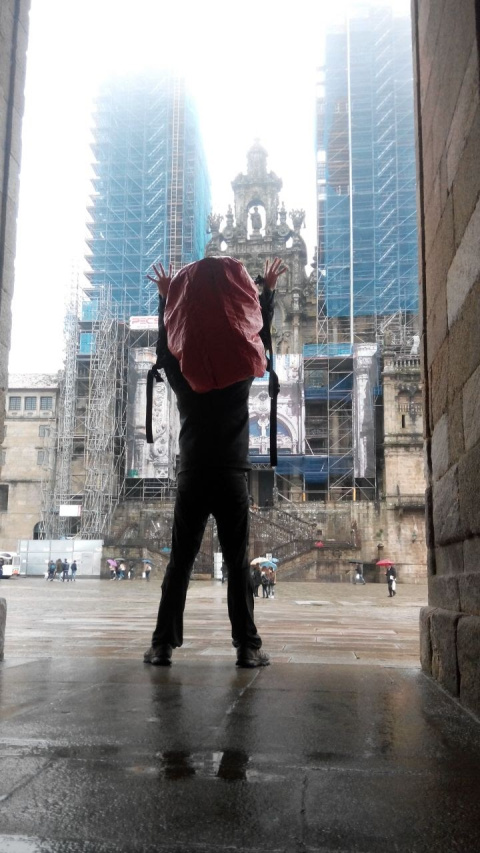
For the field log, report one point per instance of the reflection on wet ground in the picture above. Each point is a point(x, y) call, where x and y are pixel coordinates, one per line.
point(323, 752)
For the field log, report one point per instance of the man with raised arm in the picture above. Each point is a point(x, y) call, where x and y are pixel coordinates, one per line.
point(213, 443)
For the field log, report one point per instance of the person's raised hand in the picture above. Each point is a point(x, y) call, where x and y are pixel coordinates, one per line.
point(272, 272)
point(161, 278)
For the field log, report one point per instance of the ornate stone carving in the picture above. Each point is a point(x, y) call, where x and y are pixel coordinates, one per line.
point(298, 219)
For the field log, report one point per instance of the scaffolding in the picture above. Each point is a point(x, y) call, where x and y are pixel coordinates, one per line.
point(106, 417)
point(151, 193)
point(367, 292)
point(59, 441)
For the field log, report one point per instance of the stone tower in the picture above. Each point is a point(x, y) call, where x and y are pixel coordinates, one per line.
point(259, 231)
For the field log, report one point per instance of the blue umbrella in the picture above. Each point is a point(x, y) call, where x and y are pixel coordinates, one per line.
point(269, 563)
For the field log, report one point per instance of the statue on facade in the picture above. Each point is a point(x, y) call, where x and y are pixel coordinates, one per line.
point(214, 222)
point(283, 343)
point(298, 219)
point(228, 231)
point(256, 221)
point(283, 230)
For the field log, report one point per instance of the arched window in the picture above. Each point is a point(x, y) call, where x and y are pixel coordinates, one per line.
point(39, 530)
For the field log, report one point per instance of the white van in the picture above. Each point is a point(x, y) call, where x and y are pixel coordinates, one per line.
point(11, 564)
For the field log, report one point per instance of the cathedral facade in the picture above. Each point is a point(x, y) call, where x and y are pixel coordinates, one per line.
point(260, 229)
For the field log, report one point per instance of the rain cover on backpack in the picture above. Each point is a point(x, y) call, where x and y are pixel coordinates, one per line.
point(213, 319)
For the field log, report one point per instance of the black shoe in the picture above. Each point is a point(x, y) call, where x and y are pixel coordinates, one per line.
point(249, 658)
point(159, 655)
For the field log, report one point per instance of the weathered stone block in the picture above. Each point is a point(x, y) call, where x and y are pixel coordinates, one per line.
point(471, 554)
point(425, 640)
point(433, 214)
point(442, 249)
point(468, 655)
point(466, 185)
point(429, 23)
point(468, 474)
point(436, 326)
point(443, 636)
point(471, 407)
point(440, 463)
point(429, 527)
point(439, 383)
point(464, 354)
point(443, 592)
point(3, 620)
point(449, 559)
point(456, 444)
point(465, 268)
point(465, 109)
point(431, 563)
point(469, 590)
point(446, 508)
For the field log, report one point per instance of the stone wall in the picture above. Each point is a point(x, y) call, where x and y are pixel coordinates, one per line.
point(446, 47)
point(362, 530)
point(13, 48)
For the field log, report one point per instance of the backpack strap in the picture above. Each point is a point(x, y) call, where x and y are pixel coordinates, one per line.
point(153, 374)
point(273, 383)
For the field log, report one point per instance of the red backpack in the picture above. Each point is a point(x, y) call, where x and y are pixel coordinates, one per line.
point(213, 319)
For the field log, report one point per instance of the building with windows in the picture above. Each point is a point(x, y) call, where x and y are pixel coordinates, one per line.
point(30, 423)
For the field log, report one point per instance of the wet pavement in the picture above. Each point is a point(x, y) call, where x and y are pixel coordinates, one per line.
point(341, 745)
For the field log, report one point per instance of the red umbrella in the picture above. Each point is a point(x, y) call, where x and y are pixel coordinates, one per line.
point(385, 563)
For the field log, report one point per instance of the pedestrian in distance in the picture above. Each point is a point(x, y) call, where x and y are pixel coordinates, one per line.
point(59, 568)
point(65, 568)
point(358, 577)
point(271, 583)
point(214, 426)
point(148, 569)
point(73, 569)
point(51, 570)
point(257, 579)
point(391, 574)
point(264, 582)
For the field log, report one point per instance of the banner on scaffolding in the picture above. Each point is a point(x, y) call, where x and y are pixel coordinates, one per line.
point(290, 409)
point(144, 323)
point(144, 460)
point(364, 381)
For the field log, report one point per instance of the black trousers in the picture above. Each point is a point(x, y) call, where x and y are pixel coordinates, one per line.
point(224, 495)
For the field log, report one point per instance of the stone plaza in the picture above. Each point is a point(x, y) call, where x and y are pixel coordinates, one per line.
point(342, 744)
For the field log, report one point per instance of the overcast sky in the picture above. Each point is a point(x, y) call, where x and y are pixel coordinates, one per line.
point(252, 68)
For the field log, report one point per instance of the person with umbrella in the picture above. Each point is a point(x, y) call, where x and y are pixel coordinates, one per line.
point(391, 575)
point(257, 579)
